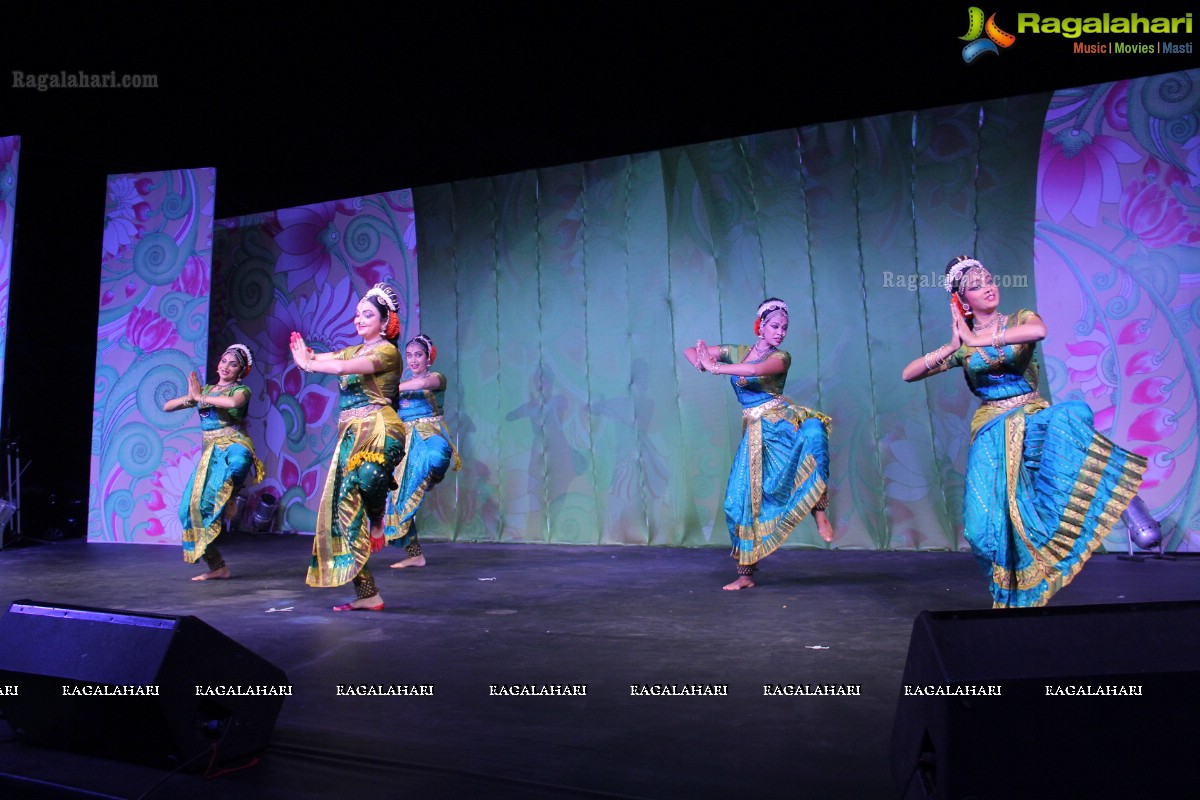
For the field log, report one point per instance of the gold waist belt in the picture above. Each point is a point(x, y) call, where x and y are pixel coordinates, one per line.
point(1013, 402)
point(227, 433)
point(757, 412)
point(358, 412)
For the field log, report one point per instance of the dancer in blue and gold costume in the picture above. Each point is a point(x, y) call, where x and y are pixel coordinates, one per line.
point(781, 469)
point(370, 443)
point(225, 462)
point(1043, 488)
point(428, 450)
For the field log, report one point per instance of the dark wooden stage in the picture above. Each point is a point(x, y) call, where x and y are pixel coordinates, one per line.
point(610, 618)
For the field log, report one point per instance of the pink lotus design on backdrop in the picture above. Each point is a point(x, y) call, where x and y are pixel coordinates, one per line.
point(316, 401)
point(172, 480)
point(148, 331)
point(1077, 172)
point(307, 238)
point(325, 319)
point(119, 232)
point(1152, 214)
point(193, 278)
point(292, 475)
point(120, 219)
point(1161, 465)
point(1116, 249)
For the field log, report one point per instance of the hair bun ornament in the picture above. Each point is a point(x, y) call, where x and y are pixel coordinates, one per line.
point(426, 345)
point(393, 326)
point(758, 326)
point(771, 304)
point(386, 294)
point(245, 356)
point(957, 269)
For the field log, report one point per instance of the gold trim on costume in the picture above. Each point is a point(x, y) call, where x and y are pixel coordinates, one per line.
point(755, 447)
point(768, 538)
point(431, 426)
point(1069, 526)
point(358, 412)
point(1012, 402)
point(756, 412)
point(227, 434)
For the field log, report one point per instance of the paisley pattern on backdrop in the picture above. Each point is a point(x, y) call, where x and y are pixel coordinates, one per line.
point(305, 269)
point(560, 299)
point(10, 157)
point(1118, 271)
point(153, 330)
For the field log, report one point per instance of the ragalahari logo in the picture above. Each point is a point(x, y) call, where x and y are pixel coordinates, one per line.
point(976, 28)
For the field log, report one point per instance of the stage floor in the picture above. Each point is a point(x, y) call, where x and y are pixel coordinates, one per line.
point(502, 614)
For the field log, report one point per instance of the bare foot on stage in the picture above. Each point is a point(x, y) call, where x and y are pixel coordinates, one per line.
point(411, 561)
point(373, 603)
point(215, 575)
point(743, 582)
point(823, 527)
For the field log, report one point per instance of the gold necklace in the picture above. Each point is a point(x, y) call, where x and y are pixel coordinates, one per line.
point(752, 357)
point(368, 347)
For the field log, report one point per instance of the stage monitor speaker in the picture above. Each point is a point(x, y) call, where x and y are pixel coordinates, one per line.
point(1073, 701)
point(167, 691)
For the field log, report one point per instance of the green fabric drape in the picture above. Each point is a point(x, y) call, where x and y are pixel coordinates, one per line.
point(560, 300)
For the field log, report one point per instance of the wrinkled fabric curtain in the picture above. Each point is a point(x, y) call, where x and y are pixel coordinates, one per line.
point(560, 300)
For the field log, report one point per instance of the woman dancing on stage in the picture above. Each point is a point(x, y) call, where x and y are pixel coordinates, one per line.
point(781, 469)
point(1043, 488)
point(370, 443)
point(427, 448)
point(224, 463)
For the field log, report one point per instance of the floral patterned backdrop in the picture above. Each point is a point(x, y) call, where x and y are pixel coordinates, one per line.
point(153, 330)
point(1117, 255)
point(560, 299)
point(10, 156)
point(305, 269)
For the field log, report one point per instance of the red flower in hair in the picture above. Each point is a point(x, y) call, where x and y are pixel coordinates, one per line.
point(956, 301)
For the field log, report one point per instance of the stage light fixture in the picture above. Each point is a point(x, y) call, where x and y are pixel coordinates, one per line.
point(1143, 529)
point(263, 518)
point(7, 510)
